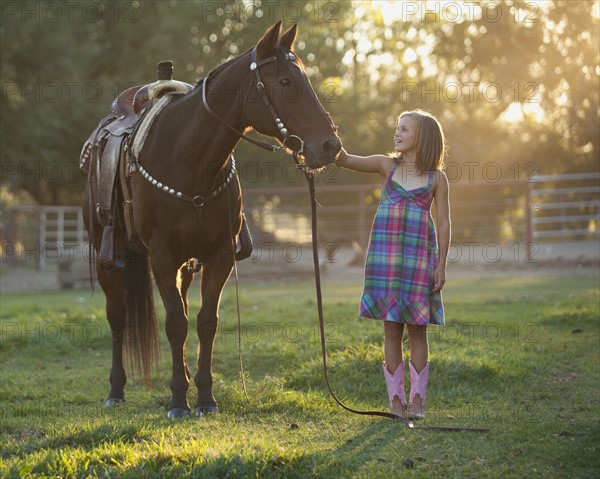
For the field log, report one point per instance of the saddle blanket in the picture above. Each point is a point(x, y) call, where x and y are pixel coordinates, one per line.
point(102, 132)
point(142, 132)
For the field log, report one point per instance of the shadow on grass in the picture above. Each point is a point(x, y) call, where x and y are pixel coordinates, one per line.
point(345, 460)
point(570, 319)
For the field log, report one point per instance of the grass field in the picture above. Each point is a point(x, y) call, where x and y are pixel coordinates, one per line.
point(520, 356)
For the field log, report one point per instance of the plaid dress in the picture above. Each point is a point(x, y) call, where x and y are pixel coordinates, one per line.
point(401, 259)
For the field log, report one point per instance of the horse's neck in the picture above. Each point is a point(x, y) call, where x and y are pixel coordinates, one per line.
point(202, 144)
point(211, 138)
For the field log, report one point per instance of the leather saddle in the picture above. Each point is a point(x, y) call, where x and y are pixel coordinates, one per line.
point(104, 148)
point(104, 158)
point(126, 117)
point(102, 151)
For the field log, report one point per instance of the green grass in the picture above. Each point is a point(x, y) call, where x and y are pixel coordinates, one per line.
point(508, 359)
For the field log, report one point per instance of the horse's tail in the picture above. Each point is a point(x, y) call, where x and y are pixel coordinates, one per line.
point(141, 336)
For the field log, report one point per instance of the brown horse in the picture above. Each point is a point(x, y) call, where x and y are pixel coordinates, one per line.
point(188, 150)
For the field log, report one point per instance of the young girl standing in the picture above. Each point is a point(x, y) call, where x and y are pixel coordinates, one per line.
point(404, 272)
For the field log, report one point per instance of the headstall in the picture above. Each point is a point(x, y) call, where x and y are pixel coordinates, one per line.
point(255, 65)
point(260, 86)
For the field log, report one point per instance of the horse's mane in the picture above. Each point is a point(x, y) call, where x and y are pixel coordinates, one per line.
point(219, 68)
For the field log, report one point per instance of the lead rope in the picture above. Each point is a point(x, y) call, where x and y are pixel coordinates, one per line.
point(313, 202)
point(313, 209)
point(237, 299)
point(239, 329)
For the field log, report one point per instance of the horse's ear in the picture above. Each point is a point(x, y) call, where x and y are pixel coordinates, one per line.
point(287, 39)
point(266, 45)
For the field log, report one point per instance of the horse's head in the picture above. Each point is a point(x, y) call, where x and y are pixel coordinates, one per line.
point(285, 106)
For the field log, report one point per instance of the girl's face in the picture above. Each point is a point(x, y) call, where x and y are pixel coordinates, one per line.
point(404, 138)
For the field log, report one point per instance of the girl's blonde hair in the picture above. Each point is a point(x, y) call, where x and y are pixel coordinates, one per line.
point(429, 139)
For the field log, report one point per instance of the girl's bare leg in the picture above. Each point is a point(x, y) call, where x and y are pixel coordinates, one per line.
point(393, 344)
point(419, 346)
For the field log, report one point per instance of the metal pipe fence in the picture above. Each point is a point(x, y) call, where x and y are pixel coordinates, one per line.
point(557, 208)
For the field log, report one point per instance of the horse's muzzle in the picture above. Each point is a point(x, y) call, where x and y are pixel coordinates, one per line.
point(323, 153)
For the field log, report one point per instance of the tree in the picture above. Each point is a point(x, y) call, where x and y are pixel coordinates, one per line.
point(512, 82)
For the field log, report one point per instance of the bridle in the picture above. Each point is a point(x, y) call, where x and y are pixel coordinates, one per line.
point(199, 200)
point(260, 86)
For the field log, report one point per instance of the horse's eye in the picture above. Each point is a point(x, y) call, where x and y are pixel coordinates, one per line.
point(285, 82)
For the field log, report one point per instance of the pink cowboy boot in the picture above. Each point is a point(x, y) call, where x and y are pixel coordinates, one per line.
point(395, 389)
point(418, 392)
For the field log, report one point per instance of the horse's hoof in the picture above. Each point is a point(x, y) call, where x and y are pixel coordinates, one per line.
point(178, 413)
point(112, 402)
point(198, 413)
point(207, 409)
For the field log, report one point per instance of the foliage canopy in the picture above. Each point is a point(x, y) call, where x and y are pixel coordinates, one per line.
point(511, 82)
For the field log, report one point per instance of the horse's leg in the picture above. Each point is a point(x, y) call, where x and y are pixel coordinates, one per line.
point(113, 288)
point(187, 277)
point(186, 280)
point(215, 272)
point(166, 272)
point(114, 291)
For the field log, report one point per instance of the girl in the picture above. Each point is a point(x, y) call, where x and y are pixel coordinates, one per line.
point(404, 275)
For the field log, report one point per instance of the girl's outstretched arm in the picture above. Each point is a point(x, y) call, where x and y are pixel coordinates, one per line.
point(441, 200)
point(366, 164)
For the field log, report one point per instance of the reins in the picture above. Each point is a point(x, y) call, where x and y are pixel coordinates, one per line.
point(297, 154)
point(260, 86)
point(237, 300)
point(313, 203)
point(313, 210)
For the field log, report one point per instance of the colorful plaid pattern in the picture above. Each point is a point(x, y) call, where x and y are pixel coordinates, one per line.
point(402, 257)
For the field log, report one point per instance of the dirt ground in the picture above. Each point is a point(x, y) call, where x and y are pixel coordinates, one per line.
point(289, 263)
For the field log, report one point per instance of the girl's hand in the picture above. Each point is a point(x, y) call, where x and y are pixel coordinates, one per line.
point(341, 158)
point(439, 278)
